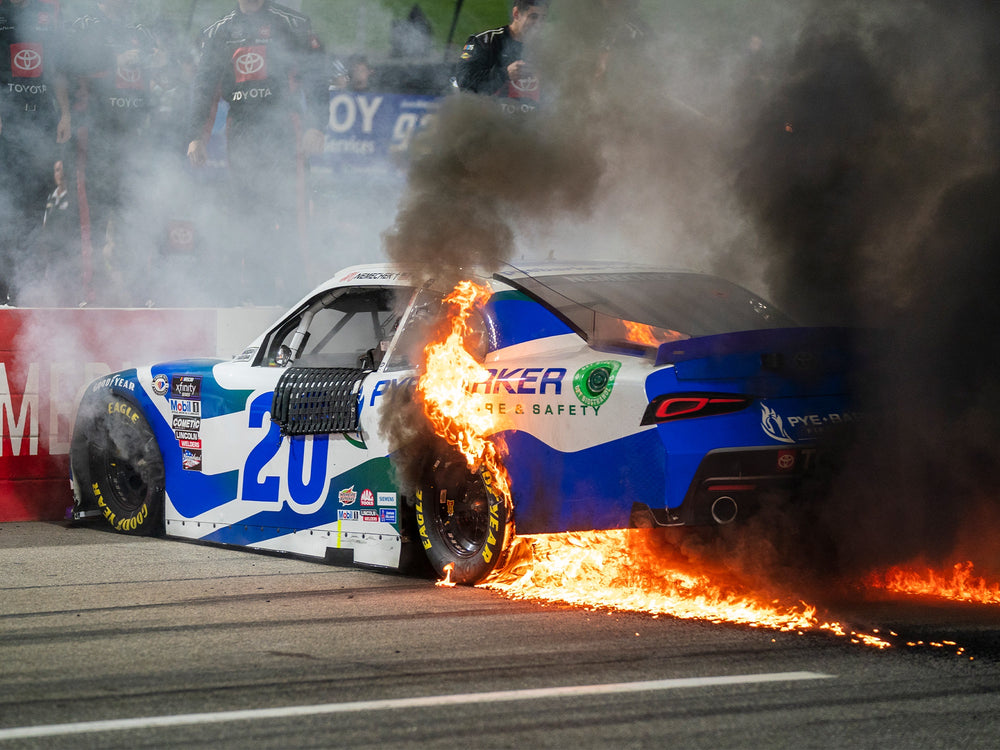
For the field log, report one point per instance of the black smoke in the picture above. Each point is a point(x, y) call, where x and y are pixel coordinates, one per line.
point(840, 157)
point(480, 173)
point(870, 170)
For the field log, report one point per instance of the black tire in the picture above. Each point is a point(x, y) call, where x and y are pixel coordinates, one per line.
point(463, 522)
point(117, 465)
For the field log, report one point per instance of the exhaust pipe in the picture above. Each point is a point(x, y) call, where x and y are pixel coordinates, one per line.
point(724, 510)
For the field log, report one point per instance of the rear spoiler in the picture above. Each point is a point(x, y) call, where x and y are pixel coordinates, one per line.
point(747, 353)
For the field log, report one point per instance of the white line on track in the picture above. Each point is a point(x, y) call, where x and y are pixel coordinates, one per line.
point(570, 691)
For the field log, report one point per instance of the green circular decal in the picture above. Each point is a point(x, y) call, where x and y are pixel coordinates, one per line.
point(592, 383)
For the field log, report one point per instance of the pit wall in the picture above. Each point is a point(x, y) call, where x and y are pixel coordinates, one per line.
point(47, 358)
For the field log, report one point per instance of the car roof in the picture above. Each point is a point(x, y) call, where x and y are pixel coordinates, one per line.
point(407, 274)
point(540, 269)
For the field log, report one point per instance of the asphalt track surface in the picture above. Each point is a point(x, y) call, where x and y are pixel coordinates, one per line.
point(118, 642)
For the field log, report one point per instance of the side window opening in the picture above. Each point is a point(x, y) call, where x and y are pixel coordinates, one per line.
point(418, 329)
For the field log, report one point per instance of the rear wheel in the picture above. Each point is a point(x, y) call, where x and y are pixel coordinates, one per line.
point(465, 525)
point(118, 466)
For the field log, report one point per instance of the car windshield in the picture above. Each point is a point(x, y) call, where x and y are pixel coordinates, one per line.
point(651, 307)
point(347, 327)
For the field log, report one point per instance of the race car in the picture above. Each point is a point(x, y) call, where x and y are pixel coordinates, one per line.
point(631, 396)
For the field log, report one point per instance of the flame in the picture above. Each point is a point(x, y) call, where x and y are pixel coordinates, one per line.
point(959, 584)
point(446, 581)
point(618, 569)
point(456, 412)
point(642, 333)
point(621, 570)
point(446, 389)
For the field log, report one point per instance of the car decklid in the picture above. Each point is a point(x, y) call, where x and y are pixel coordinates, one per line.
point(796, 354)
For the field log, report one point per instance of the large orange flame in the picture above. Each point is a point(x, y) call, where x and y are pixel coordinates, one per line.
point(612, 569)
point(454, 409)
point(960, 583)
point(624, 570)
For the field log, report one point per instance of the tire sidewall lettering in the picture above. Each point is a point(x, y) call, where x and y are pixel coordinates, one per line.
point(465, 568)
point(115, 415)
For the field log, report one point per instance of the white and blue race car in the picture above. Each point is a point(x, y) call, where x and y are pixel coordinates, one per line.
point(631, 397)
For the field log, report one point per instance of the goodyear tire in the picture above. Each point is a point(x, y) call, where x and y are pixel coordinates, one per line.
point(463, 523)
point(117, 465)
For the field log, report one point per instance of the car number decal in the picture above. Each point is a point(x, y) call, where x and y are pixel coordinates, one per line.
point(303, 496)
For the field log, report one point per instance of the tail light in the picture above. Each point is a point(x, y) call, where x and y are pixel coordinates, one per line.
point(673, 406)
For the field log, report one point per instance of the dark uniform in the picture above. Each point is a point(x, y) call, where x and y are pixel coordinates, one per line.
point(114, 102)
point(270, 69)
point(28, 119)
point(483, 66)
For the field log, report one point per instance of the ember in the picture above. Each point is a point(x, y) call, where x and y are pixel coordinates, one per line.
point(625, 570)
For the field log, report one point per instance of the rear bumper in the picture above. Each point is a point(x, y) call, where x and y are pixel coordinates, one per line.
point(729, 484)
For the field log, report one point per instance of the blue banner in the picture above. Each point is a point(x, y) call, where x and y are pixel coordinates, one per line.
point(366, 134)
point(369, 132)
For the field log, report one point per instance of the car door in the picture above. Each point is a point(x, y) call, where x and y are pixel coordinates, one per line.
point(314, 477)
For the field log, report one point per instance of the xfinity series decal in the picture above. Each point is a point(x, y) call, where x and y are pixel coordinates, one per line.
point(185, 386)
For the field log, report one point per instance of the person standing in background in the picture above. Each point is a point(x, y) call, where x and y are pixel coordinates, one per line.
point(57, 248)
point(113, 58)
point(264, 61)
point(34, 118)
point(492, 62)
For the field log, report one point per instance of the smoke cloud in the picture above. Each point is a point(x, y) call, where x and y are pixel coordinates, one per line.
point(479, 173)
point(841, 158)
point(870, 172)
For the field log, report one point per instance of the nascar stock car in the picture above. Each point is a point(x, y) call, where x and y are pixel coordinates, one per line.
point(631, 396)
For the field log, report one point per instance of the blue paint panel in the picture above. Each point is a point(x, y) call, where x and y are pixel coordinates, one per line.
point(687, 441)
point(590, 489)
point(193, 492)
point(375, 475)
point(514, 318)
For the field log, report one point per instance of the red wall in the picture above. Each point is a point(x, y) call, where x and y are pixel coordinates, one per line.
point(47, 357)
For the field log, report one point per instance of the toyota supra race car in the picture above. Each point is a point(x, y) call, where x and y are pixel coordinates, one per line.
point(630, 397)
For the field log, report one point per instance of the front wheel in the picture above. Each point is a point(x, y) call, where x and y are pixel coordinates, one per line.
point(465, 525)
point(117, 465)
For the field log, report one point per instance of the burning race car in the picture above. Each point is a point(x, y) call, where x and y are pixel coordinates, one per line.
point(601, 396)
